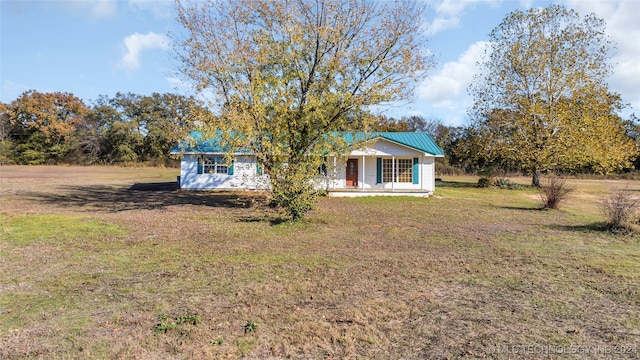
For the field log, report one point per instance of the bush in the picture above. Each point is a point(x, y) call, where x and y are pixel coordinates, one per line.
point(619, 208)
point(484, 182)
point(505, 183)
point(553, 191)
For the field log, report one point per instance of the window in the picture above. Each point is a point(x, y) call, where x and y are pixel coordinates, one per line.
point(322, 170)
point(387, 170)
point(214, 165)
point(401, 172)
point(404, 170)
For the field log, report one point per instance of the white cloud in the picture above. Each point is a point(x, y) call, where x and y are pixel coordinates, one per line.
point(103, 8)
point(160, 8)
point(456, 7)
point(96, 8)
point(448, 14)
point(624, 29)
point(136, 43)
point(526, 3)
point(447, 88)
point(440, 24)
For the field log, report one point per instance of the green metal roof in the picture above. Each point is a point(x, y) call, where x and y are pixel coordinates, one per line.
point(418, 141)
point(196, 144)
point(422, 142)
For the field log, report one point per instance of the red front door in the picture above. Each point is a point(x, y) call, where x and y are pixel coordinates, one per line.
point(352, 172)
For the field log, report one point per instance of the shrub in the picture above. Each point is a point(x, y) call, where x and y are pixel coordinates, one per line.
point(505, 183)
point(484, 182)
point(619, 208)
point(553, 191)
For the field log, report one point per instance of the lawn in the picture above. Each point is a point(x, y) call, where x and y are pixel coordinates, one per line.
point(113, 263)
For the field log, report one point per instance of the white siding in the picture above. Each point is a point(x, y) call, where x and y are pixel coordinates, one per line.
point(244, 175)
point(429, 173)
point(368, 172)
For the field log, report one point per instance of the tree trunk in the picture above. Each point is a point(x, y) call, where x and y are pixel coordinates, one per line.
point(535, 181)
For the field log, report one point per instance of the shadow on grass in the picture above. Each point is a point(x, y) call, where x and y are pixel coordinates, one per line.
point(456, 184)
point(600, 227)
point(272, 220)
point(522, 208)
point(143, 196)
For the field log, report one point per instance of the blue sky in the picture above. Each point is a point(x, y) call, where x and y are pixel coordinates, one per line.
point(100, 47)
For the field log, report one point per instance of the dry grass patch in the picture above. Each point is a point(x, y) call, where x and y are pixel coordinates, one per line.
point(460, 276)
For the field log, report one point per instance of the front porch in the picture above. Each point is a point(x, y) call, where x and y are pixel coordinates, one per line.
point(379, 174)
point(356, 192)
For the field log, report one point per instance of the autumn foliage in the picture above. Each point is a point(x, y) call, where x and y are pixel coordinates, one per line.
point(284, 76)
point(56, 128)
point(541, 99)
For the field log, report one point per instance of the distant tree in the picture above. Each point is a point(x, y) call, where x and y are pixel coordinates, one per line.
point(166, 119)
point(463, 150)
point(42, 124)
point(6, 145)
point(388, 124)
point(285, 75)
point(115, 125)
point(422, 124)
point(632, 126)
point(90, 136)
point(138, 128)
point(541, 99)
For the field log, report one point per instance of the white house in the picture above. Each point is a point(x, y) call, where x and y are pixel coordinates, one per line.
point(393, 163)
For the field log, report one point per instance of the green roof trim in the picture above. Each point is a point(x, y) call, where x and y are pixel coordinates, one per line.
point(421, 142)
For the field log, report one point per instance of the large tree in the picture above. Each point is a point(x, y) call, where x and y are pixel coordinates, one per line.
point(284, 75)
point(42, 125)
point(541, 98)
point(139, 128)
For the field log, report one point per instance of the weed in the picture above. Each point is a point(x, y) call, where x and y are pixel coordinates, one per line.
point(163, 326)
point(553, 192)
point(189, 319)
point(217, 342)
point(619, 208)
point(250, 327)
point(166, 322)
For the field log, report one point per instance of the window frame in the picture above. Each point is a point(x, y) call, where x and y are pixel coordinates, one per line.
point(398, 170)
point(213, 165)
point(404, 170)
point(387, 170)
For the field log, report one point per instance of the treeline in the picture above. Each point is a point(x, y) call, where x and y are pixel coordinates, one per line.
point(473, 150)
point(59, 128)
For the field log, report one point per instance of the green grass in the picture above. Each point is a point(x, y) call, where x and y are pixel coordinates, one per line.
point(450, 276)
point(20, 230)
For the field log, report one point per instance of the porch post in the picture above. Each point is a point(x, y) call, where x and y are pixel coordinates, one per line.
point(363, 172)
point(421, 172)
point(335, 174)
point(393, 172)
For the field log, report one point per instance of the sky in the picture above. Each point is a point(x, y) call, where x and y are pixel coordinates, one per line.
point(100, 47)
